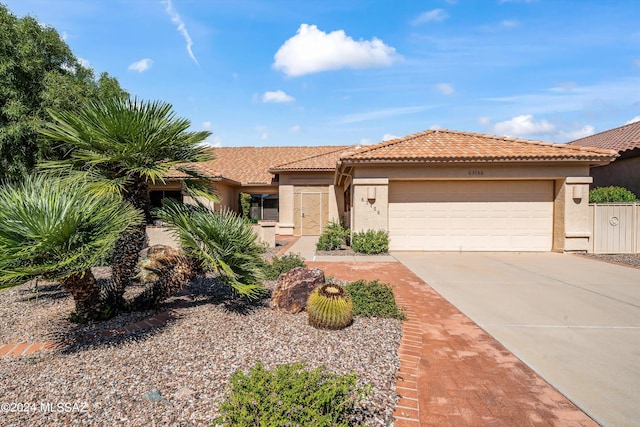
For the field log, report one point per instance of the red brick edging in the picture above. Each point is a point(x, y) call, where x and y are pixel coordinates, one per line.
point(26, 349)
point(407, 412)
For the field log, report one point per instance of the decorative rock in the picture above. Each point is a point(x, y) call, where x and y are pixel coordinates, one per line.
point(293, 288)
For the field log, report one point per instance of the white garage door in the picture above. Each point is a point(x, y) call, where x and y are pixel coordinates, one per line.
point(471, 215)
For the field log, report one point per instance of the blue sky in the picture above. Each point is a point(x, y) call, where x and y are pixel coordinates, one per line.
point(347, 72)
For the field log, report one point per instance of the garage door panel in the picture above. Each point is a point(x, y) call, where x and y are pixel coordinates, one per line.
point(471, 215)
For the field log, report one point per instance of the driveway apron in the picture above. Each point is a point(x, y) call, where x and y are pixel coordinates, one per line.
point(573, 320)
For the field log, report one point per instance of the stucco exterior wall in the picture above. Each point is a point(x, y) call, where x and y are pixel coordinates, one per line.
point(577, 229)
point(294, 183)
point(285, 222)
point(571, 208)
point(370, 204)
point(472, 171)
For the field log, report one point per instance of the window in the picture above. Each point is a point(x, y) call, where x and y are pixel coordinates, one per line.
point(157, 196)
point(264, 207)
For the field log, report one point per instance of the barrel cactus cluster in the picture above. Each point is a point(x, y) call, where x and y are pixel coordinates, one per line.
point(330, 307)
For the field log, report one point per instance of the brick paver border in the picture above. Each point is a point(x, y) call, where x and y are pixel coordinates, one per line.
point(27, 349)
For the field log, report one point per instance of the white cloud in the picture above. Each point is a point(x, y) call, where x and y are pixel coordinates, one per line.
point(84, 62)
point(141, 66)
point(206, 125)
point(635, 119)
point(435, 15)
point(637, 63)
point(277, 96)
point(262, 130)
point(295, 129)
point(435, 127)
point(175, 18)
point(365, 141)
point(510, 23)
point(213, 141)
point(64, 35)
point(572, 135)
point(523, 125)
point(484, 120)
point(445, 88)
point(313, 51)
point(389, 137)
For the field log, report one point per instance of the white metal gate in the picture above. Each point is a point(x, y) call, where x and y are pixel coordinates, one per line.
point(615, 228)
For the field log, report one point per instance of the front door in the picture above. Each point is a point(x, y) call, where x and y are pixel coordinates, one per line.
point(311, 213)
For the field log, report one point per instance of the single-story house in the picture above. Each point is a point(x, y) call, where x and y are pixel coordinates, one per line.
point(437, 190)
point(625, 170)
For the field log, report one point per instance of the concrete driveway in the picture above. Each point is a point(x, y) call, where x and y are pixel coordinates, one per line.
point(575, 321)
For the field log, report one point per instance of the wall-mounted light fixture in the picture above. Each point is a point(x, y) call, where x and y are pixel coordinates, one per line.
point(577, 192)
point(371, 194)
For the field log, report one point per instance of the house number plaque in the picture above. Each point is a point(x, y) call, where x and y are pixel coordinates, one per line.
point(476, 172)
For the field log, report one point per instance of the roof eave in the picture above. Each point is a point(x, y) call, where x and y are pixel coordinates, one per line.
point(390, 161)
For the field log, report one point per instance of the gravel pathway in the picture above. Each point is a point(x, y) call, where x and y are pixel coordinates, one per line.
point(175, 374)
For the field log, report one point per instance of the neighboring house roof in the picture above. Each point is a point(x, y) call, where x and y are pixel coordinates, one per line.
point(325, 162)
point(623, 138)
point(444, 145)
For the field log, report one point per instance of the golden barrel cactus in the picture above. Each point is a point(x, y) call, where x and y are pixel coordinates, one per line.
point(330, 307)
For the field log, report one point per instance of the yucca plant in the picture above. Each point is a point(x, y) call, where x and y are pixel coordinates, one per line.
point(59, 230)
point(220, 242)
point(122, 145)
point(330, 307)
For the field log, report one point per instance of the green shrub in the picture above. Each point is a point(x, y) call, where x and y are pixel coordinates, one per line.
point(330, 307)
point(370, 242)
point(333, 236)
point(611, 195)
point(289, 395)
point(245, 204)
point(279, 265)
point(374, 299)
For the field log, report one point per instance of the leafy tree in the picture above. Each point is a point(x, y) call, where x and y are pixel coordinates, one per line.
point(121, 146)
point(38, 71)
point(59, 230)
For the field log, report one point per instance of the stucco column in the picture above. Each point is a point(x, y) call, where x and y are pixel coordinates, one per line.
point(334, 210)
point(370, 205)
point(285, 221)
point(577, 227)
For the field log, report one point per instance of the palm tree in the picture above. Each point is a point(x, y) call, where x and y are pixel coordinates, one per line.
point(59, 230)
point(122, 146)
point(220, 242)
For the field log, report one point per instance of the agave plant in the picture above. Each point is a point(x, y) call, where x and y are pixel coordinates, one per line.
point(330, 307)
point(121, 146)
point(59, 231)
point(220, 242)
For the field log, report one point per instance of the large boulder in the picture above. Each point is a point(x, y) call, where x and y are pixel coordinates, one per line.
point(293, 289)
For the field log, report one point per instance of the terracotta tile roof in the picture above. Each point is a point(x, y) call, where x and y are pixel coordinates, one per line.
point(250, 165)
point(444, 145)
point(621, 139)
point(319, 162)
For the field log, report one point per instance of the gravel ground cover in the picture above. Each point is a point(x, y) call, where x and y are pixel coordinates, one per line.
point(628, 259)
point(175, 374)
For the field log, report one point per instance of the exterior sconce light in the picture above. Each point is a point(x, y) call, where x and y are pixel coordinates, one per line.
point(577, 192)
point(371, 194)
